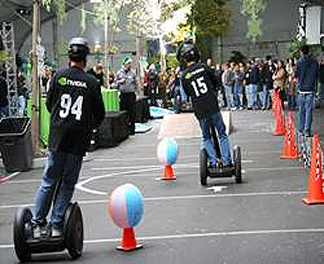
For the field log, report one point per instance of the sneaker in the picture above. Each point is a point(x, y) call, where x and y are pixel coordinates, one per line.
point(56, 232)
point(234, 108)
point(38, 232)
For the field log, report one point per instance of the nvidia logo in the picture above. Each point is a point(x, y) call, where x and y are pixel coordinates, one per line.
point(188, 75)
point(62, 81)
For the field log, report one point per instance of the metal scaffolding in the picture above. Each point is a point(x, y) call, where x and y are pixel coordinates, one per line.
point(7, 36)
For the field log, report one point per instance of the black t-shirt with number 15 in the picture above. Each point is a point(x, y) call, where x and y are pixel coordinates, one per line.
point(201, 84)
point(76, 106)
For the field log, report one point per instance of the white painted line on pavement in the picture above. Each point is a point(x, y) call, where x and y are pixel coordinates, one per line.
point(80, 186)
point(184, 197)
point(214, 234)
point(157, 167)
point(139, 159)
point(201, 235)
point(142, 166)
point(5, 179)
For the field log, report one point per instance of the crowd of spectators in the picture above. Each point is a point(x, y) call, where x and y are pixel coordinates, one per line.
point(250, 85)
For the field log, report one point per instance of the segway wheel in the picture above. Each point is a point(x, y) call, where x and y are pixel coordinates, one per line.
point(237, 164)
point(203, 167)
point(73, 231)
point(21, 231)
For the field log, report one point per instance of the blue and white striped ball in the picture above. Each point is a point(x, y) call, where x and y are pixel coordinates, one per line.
point(125, 206)
point(167, 151)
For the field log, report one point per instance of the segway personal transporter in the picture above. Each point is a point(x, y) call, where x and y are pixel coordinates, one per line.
point(220, 171)
point(71, 239)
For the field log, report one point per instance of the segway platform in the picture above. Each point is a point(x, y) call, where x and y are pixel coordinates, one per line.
point(72, 236)
point(220, 171)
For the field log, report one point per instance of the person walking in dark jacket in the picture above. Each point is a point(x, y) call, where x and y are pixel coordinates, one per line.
point(76, 106)
point(306, 74)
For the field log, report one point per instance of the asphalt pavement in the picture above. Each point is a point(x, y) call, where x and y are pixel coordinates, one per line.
point(262, 220)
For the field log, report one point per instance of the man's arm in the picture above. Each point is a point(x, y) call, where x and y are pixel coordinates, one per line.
point(51, 94)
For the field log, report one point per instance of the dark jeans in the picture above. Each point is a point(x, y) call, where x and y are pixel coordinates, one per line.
point(58, 165)
point(215, 120)
point(128, 103)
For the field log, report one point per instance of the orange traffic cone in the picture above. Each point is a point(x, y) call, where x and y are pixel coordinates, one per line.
point(290, 150)
point(168, 174)
point(280, 126)
point(274, 97)
point(129, 241)
point(315, 184)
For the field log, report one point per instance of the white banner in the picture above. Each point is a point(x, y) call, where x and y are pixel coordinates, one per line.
point(313, 24)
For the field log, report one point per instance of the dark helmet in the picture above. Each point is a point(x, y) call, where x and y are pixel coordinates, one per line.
point(78, 49)
point(189, 53)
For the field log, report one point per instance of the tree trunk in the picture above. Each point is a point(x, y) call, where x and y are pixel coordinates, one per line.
point(35, 80)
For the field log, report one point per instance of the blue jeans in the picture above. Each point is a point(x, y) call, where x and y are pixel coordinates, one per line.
point(58, 165)
point(248, 94)
point(237, 94)
point(205, 125)
point(254, 94)
point(305, 112)
point(265, 97)
point(229, 95)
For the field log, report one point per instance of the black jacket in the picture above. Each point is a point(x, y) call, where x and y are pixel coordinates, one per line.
point(321, 73)
point(255, 75)
point(266, 76)
point(75, 103)
point(201, 84)
point(307, 74)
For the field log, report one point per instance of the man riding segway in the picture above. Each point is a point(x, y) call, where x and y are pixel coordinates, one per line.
point(201, 84)
point(75, 103)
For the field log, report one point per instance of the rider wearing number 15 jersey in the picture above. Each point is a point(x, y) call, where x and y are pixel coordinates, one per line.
point(201, 84)
point(75, 103)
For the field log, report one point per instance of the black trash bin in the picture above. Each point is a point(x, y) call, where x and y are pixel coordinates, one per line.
point(15, 143)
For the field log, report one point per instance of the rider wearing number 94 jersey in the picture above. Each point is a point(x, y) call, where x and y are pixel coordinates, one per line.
point(75, 103)
point(202, 84)
point(76, 106)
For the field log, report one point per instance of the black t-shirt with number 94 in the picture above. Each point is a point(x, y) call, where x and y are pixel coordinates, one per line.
point(76, 106)
point(201, 84)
